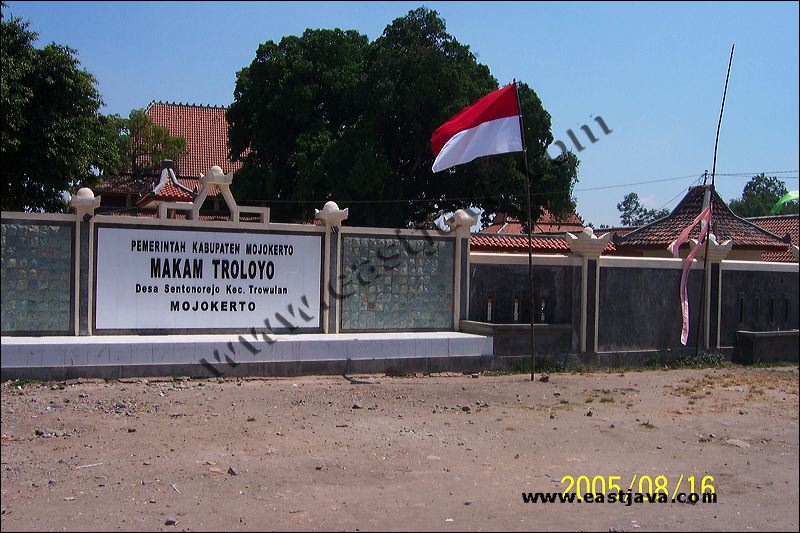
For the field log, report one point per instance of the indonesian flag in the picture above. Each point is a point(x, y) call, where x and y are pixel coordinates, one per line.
point(487, 127)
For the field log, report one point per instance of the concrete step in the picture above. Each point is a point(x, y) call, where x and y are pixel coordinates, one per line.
point(132, 355)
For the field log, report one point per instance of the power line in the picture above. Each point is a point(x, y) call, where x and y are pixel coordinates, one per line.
point(547, 193)
point(637, 183)
point(757, 173)
point(486, 197)
point(682, 191)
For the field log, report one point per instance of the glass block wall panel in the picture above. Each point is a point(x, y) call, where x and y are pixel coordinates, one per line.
point(397, 283)
point(36, 277)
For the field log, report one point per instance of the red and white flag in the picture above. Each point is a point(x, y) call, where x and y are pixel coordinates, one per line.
point(489, 126)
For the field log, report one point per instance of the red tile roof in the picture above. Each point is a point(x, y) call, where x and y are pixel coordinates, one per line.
point(620, 230)
point(127, 212)
point(781, 226)
point(763, 233)
point(124, 184)
point(547, 223)
point(506, 244)
point(167, 193)
point(778, 257)
point(725, 225)
point(127, 184)
point(205, 130)
point(195, 185)
point(540, 244)
point(170, 190)
point(170, 193)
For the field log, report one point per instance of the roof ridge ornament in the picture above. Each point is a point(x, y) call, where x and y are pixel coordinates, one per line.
point(717, 251)
point(461, 221)
point(215, 176)
point(331, 215)
point(586, 243)
point(168, 175)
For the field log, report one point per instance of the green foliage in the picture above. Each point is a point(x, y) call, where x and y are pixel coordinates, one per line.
point(517, 367)
point(14, 383)
point(522, 365)
point(702, 360)
point(759, 196)
point(771, 364)
point(633, 213)
point(653, 362)
point(331, 115)
point(50, 120)
point(140, 146)
point(549, 366)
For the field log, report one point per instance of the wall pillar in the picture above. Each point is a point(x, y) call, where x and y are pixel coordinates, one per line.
point(712, 298)
point(460, 224)
point(84, 202)
point(589, 247)
point(332, 217)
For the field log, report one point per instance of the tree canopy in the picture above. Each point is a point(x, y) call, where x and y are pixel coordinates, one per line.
point(633, 213)
point(54, 139)
point(140, 146)
point(51, 128)
point(759, 196)
point(331, 115)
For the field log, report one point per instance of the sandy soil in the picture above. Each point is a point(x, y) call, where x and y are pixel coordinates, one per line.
point(441, 452)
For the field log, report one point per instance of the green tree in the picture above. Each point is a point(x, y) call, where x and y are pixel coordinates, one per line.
point(140, 146)
point(50, 122)
point(633, 213)
point(293, 117)
point(330, 115)
point(759, 196)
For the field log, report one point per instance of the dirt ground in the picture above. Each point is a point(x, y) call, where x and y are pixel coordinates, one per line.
point(442, 452)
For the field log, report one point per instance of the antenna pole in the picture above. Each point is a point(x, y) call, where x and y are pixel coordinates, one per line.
point(708, 235)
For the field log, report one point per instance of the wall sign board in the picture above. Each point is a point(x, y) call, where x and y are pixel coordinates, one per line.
point(168, 279)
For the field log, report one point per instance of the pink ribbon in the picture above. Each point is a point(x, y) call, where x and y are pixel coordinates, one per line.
point(674, 248)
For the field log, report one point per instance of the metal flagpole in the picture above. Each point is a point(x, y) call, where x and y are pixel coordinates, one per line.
point(530, 229)
point(713, 175)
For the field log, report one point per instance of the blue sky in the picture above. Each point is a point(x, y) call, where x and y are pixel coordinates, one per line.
point(653, 71)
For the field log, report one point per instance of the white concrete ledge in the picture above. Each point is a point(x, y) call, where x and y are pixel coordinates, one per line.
point(254, 227)
point(40, 217)
point(613, 261)
point(392, 232)
point(762, 266)
point(122, 350)
point(499, 258)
